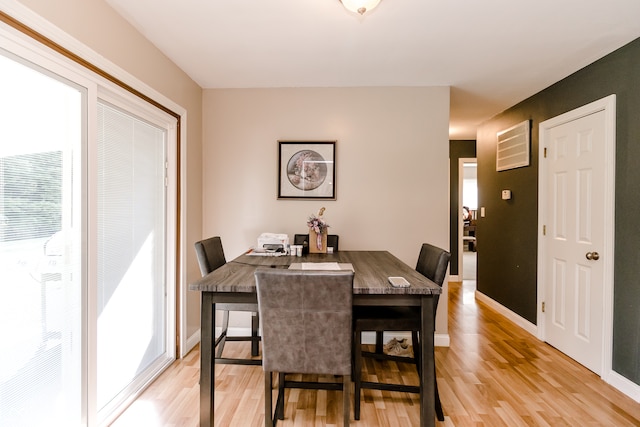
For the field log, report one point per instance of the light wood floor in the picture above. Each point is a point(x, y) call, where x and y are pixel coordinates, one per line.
point(493, 374)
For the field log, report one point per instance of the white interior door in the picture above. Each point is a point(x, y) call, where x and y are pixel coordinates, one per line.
point(574, 244)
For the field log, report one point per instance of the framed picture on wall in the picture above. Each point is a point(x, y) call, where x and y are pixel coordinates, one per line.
point(307, 170)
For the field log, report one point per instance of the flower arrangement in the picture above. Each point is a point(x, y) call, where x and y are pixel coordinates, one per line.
point(319, 225)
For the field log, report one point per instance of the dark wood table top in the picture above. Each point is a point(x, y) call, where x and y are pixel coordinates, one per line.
point(371, 267)
point(235, 282)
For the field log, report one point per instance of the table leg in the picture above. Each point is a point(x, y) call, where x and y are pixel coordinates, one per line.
point(207, 359)
point(427, 377)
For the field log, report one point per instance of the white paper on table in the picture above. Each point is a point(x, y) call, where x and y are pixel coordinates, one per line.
point(313, 266)
point(320, 266)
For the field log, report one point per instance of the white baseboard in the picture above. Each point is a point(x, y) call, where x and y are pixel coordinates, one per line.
point(191, 342)
point(624, 385)
point(515, 318)
point(442, 340)
point(456, 278)
point(614, 379)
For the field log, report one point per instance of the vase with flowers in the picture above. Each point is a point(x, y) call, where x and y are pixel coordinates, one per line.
point(318, 230)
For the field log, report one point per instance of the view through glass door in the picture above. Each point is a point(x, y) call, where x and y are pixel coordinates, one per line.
point(41, 291)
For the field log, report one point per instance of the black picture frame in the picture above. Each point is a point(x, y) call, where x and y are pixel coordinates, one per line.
point(307, 170)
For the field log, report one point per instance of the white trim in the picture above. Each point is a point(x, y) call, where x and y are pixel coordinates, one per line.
point(442, 340)
point(502, 310)
point(181, 252)
point(92, 267)
point(608, 105)
point(190, 343)
point(624, 385)
point(136, 388)
point(461, 162)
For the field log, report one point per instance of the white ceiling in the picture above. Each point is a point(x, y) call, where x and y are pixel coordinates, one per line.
point(493, 53)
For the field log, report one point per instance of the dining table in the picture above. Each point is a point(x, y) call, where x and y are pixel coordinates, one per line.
point(234, 282)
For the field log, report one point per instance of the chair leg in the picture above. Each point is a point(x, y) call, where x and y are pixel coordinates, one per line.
point(268, 408)
point(379, 342)
point(346, 398)
point(223, 335)
point(254, 334)
point(357, 372)
point(415, 342)
point(439, 412)
point(280, 402)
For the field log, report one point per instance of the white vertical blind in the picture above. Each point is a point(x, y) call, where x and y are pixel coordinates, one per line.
point(131, 250)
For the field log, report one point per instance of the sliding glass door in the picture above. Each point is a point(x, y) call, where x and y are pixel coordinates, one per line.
point(87, 208)
point(42, 286)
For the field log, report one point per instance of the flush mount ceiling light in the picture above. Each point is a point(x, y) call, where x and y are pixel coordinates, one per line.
point(360, 6)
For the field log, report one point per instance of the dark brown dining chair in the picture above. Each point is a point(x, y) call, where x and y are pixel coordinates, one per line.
point(292, 304)
point(432, 263)
point(210, 257)
point(303, 239)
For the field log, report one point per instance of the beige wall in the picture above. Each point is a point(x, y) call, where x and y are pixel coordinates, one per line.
point(392, 156)
point(96, 25)
point(392, 150)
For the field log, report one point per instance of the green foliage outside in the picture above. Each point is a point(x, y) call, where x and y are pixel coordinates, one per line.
point(30, 195)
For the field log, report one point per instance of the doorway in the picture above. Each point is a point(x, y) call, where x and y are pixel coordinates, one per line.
point(575, 247)
point(468, 202)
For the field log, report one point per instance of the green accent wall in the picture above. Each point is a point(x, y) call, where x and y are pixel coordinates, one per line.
point(507, 255)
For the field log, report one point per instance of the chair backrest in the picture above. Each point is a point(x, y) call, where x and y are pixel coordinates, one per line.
point(332, 241)
point(433, 263)
point(210, 254)
point(301, 239)
point(306, 320)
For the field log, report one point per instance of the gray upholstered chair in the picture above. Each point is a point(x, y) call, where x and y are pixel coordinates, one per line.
point(210, 257)
point(306, 329)
point(432, 263)
point(303, 239)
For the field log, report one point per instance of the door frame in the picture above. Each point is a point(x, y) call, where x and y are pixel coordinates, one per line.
point(608, 105)
point(461, 162)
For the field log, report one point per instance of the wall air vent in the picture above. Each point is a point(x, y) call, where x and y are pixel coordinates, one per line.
point(513, 147)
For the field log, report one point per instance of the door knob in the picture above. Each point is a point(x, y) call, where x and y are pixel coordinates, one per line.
point(593, 256)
